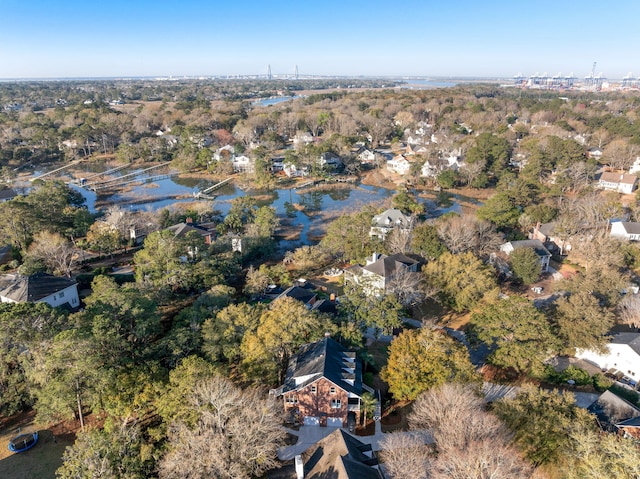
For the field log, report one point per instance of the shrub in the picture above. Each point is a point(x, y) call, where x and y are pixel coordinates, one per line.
point(601, 382)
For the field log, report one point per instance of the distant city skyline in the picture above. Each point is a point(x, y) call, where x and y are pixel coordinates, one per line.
point(495, 38)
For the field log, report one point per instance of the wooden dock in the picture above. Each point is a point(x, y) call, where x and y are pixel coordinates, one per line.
point(203, 193)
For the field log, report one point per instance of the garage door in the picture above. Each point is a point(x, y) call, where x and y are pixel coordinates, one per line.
point(334, 422)
point(311, 421)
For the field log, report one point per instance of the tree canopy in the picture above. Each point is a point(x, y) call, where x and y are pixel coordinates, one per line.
point(421, 359)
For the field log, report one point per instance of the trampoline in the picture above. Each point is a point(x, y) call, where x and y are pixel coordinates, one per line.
point(23, 442)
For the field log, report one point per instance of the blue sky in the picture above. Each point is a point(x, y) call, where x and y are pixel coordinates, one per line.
point(114, 38)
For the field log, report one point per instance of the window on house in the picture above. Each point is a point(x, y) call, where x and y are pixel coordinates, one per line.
point(314, 389)
point(292, 399)
point(336, 404)
point(62, 294)
point(332, 390)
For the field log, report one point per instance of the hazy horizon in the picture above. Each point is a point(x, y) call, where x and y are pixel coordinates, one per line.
point(494, 39)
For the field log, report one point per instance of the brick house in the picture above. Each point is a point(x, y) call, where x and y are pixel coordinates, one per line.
point(323, 384)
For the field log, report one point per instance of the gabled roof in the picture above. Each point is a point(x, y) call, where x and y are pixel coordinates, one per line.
point(7, 194)
point(33, 288)
point(623, 178)
point(182, 229)
point(390, 217)
point(534, 244)
point(633, 422)
point(325, 358)
point(296, 292)
point(387, 266)
point(611, 409)
point(340, 456)
point(630, 339)
point(631, 228)
point(547, 229)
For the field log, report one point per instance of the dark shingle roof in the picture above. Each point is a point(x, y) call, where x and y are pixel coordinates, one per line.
point(633, 422)
point(325, 358)
point(296, 292)
point(7, 194)
point(181, 229)
point(340, 456)
point(34, 288)
point(611, 409)
point(387, 266)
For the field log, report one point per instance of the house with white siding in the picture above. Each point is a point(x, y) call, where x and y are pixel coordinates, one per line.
point(620, 182)
point(399, 165)
point(625, 230)
point(39, 288)
point(621, 357)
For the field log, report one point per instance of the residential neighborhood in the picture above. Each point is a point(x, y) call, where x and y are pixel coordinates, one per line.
point(247, 278)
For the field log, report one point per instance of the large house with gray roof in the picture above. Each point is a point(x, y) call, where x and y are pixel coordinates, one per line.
point(380, 271)
point(387, 221)
point(323, 384)
point(39, 288)
point(621, 358)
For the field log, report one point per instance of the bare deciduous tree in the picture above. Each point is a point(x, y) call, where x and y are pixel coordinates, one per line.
point(468, 233)
point(481, 460)
point(629, 310)
point(405, 456)
point(55, 252)
point(471, 442)
point(470, 171)
point(409, 288)
point(236, 436)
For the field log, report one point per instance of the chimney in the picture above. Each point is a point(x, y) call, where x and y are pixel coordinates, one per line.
point(299, 467)
point(189, 220)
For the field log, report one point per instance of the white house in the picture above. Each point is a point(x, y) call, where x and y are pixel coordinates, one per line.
point(625, 230)
point(293, 171)
point(620, 182)
point(242, 163)
point(386, 221)
point(366, 156)
point(595, 153)
point(302, 138)
point(399, 165)
point(330, 161)
point(635, 168)
point(537, 247)
point(622, 356)
point(223, 152)
point(379, 271)
point(39, 288)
